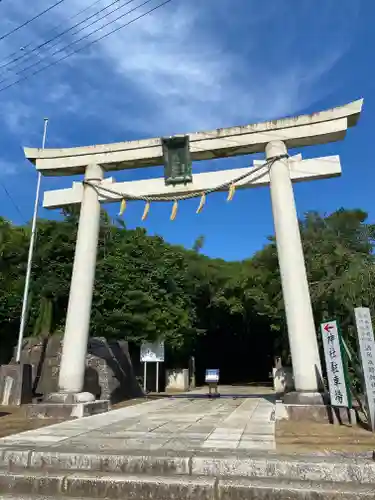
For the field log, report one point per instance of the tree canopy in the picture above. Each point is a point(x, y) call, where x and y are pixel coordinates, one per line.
point(146, 288)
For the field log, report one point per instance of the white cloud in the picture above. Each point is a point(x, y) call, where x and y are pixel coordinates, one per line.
point(7, 168)
point(187, 66)
point(15, 115)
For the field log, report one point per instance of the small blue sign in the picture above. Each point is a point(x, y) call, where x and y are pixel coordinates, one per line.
point(212, 376)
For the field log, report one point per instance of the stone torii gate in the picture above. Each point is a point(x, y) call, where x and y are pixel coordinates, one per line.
point(274, 138)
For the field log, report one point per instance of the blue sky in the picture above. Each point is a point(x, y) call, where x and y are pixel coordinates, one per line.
point(192, 65)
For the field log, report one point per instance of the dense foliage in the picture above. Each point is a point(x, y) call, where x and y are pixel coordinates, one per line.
point(146, 288)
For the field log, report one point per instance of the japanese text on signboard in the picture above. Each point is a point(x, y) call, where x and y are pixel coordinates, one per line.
point(367, 351)
point(334, 364)
point(152, 352)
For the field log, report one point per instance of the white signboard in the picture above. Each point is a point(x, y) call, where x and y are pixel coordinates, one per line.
point(152, 352)
point(367, 351)
point(212, 376)
point(334, 363)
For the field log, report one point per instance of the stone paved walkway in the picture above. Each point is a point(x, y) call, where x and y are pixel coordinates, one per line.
point(239, 419)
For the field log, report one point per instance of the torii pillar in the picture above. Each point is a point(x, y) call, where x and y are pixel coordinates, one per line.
point(73, 359)
point(307, 370)
point(275, 138)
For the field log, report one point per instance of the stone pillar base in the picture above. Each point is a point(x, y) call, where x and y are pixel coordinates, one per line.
point(306, 398)
point(324, 414)
point(314, 407)
point(15, 384)
point(67, 405)
point(70, 397)
point(66, 410)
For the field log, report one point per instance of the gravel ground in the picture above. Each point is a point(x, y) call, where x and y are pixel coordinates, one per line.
point(308, 437)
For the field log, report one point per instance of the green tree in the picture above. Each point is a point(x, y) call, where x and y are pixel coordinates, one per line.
point(199, 243)
point(147, 289)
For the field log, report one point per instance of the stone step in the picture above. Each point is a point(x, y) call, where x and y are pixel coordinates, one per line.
point(212, 464)
point(36, 497)
point(37, 485)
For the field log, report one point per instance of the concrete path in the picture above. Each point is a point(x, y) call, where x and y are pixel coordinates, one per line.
point(238, 420)
point(187, 447)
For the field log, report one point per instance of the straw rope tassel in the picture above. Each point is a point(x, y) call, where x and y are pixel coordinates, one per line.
point(146, 210)
point(174, 210)
point(201, 203)
point(232, 190)
point(122, 207)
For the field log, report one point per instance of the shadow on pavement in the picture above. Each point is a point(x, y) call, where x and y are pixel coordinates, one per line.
point(269, 397)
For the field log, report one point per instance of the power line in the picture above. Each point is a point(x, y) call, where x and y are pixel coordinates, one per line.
point(30, 20)
point(59, 35)
point(12, 200)
point(53, 63)
point(63, 49)
point(50, 31)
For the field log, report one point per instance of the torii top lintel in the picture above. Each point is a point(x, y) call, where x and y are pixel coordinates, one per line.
point(318, 128)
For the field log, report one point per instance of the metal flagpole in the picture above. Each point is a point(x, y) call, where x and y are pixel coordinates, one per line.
point(157, 376)
point(30, 256)
point(145, 378)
